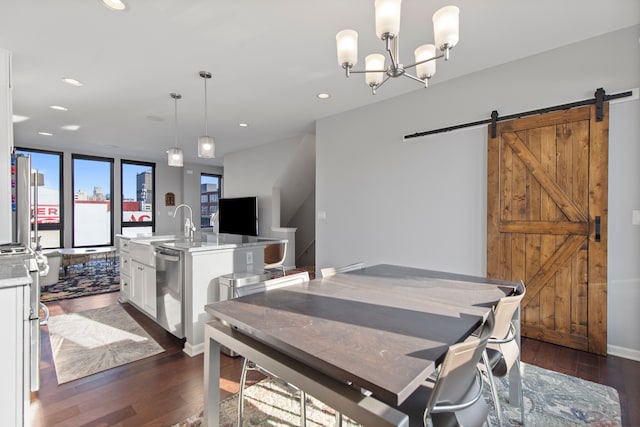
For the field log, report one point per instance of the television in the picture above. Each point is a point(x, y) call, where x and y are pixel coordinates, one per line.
point(238, 215)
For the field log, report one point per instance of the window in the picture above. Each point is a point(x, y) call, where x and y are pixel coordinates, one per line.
point(138, 197)
point(210, 191)
point(50, 217)
point(92, 183)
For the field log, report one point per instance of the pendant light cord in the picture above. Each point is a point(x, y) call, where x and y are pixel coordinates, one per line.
point(175, 118)
point(206, 128)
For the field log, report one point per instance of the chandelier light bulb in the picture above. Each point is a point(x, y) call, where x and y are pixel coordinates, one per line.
point(375, 61)
point(387, 17)
point(446, 27)
point(427, 69)
point(347, 43)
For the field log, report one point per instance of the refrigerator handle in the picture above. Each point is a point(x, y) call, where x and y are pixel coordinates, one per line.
point(46, 315)
point(34, 180)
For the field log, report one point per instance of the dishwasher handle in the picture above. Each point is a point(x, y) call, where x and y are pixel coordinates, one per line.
point(167, 256)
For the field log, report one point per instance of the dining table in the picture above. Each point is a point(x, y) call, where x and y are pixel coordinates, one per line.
point(361, 342)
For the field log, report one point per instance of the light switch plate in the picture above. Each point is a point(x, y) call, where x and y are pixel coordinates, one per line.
point(249, 258)
point(635, 217)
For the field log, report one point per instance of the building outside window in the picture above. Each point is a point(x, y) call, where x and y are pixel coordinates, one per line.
point(210, 192)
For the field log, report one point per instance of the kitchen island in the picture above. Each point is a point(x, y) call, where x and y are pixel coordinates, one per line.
point(153, 287)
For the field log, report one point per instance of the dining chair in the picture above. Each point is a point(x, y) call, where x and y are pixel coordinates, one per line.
point(503, 351)
point(454, 396)
point(274, 256)
point(330, 271)
point(248, 365)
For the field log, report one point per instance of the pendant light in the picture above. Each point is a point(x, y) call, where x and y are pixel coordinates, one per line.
point(175, 156)
point(206, 146)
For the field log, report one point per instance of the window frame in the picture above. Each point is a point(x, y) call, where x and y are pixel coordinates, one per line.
point(125, 224)
point(110, 160)
point(210, 175)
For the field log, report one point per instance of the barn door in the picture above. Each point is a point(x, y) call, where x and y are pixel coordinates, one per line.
point(547, 222)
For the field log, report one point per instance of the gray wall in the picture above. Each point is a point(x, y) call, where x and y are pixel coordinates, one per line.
point(187, 181)
point(259, 172)
point(423, 203)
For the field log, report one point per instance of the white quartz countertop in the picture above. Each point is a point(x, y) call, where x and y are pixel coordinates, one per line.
point(203, 241)
point(13, 273)
point(213, 244)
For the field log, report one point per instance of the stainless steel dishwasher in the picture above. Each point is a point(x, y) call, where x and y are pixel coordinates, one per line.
point(170, 290)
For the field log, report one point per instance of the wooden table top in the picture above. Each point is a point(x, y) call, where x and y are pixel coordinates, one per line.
point(383, 328)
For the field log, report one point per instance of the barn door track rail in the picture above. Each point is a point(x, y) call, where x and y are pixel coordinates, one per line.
point(600, 97)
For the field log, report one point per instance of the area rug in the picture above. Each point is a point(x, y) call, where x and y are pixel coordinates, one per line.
point(96, 340)
point(96, 277)
point(551, 399)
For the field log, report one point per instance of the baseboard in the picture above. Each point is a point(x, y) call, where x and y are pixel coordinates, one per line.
point(193, 350)
point(627, 353)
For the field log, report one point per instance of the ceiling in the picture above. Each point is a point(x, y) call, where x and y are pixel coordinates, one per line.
point(269, 60)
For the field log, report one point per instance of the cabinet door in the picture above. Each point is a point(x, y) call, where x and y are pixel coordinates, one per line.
point(137, 283)
point(149, 291)
point(125, 287)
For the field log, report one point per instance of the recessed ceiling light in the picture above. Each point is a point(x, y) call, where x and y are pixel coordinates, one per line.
point(45, 133)
point(71, 127)
point(114, 4)
point(244, 125)
point(18, 119)
point(58, 107)
point(72, 81)
point(323, 96)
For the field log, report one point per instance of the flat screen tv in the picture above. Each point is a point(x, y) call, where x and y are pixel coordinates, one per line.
point(238, 215)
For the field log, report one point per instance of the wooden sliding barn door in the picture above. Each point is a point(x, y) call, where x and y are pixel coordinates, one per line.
point(547, 222)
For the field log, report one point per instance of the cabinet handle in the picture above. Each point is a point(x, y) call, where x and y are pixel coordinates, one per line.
point(597, 228)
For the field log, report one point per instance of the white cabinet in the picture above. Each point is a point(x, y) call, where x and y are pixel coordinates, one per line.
point(125, 269)
point(14, 355)
point(142, 291)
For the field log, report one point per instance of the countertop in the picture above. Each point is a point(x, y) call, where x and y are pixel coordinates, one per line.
point(203, 241)
point(213, 244)
point(13, 273)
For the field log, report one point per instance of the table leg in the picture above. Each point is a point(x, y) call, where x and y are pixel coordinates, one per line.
point(211, 380)
point(515, 377)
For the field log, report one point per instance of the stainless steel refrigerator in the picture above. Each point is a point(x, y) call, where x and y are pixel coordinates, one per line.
point(24, 201)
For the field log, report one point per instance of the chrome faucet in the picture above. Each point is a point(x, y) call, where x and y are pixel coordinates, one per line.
point(189, 228)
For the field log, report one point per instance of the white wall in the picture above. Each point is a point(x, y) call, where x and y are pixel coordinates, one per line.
point(423, 203)
point(6, 144)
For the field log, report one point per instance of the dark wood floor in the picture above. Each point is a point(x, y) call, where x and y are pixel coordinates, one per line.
point(167, 388)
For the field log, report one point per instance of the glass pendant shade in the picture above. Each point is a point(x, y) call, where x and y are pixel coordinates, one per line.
point(206, 147)
point(375, 61)
point(427, 69)
point(387, 17)
point(175, 157)
point(445, 27)
point(347, 44)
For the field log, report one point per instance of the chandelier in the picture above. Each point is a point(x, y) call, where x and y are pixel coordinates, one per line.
point(445, 28)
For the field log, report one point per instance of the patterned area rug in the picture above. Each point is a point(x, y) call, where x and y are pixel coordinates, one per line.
point(551, 399)
point(96, 340)
point(96, 277)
